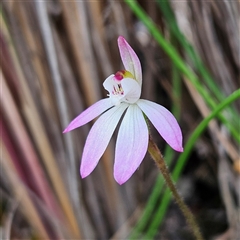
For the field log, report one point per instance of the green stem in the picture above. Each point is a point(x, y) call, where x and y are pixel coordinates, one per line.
point(193, 55)
point(202, 126)
point(181, 161)
point(158, 158)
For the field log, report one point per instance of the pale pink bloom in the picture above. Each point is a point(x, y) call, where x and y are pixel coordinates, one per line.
point(124, 89)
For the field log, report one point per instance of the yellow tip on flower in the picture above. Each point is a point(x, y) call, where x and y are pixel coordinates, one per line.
point(123, 74)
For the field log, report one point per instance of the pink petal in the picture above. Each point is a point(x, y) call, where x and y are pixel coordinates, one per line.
point(164, 122)
point(132, 143)
point(89, 114)
point(130, 59)
point(99, 137)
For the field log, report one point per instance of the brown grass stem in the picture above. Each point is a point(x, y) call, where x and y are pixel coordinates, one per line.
point(159, 160)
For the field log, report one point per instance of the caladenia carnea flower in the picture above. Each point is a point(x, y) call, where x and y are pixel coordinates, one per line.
point(124, 88)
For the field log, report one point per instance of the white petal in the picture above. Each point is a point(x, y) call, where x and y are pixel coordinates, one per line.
point(164, 122)
point(109, 83)
point(130, 59)
point(99, 137)
point(132, 90)
point(89, 114)
point(132, 143)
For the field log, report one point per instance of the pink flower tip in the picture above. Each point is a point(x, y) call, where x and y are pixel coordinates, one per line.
point(84, 174)
point(177, 147)
point(121, 38)
point(122, 41)
point(66, 130)
point(121, 178)
point(121, 181)
point(180, 149)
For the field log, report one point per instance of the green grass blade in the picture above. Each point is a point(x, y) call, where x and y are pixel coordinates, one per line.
point(173, 54)
point(168, 154)
point(154, 226)
point(199, 66)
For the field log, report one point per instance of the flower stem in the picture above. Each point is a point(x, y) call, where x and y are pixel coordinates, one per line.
point(158, 158)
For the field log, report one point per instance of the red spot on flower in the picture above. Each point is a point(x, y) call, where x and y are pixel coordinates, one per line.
point(119, 75)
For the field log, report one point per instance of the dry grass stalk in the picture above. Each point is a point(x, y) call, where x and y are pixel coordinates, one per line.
point(49, 78)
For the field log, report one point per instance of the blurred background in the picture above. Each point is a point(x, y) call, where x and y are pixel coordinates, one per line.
point(55, 56)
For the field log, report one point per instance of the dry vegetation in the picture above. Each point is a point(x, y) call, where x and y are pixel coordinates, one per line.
point(54, 57)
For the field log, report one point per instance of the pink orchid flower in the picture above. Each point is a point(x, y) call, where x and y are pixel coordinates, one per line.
point(124, 89)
